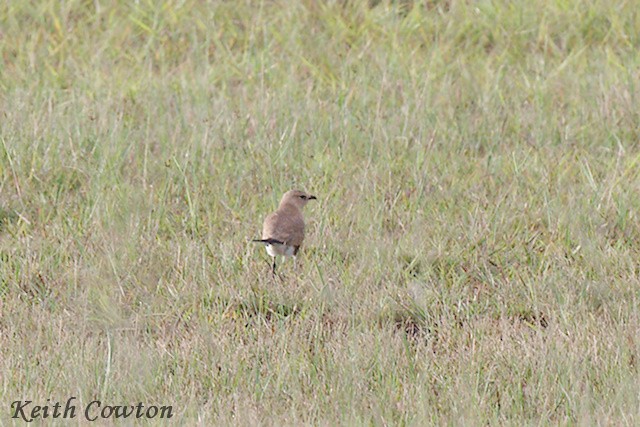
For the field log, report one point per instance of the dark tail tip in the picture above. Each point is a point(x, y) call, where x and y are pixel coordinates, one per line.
point(268, 241)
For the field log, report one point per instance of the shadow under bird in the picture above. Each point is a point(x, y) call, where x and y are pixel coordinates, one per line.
point(283, 230)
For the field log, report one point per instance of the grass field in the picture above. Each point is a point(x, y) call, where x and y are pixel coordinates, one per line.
point(472, 259)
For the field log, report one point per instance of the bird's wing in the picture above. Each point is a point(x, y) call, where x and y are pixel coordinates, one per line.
point(285, 226)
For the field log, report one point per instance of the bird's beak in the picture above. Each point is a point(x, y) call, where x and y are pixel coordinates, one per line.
point(313, 198)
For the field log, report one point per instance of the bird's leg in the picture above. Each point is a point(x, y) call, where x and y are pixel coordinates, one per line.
point(273, 267)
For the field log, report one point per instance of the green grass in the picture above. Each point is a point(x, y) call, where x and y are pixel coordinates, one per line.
point(472, 258)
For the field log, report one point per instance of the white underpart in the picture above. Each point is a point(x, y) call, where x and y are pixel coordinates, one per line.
point(277, 249)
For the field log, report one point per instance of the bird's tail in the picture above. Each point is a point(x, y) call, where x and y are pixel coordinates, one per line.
point(268, 241)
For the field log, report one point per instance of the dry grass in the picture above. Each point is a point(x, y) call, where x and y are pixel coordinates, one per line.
point(473, 258)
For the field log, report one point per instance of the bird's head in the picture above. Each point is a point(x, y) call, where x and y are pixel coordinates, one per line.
point(297, 198)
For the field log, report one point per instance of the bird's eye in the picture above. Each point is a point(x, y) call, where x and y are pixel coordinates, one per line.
point(303, 197)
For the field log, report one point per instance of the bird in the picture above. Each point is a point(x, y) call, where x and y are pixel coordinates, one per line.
point(283, 230)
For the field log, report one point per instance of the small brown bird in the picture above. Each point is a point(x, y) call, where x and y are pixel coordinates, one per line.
point(283, 230)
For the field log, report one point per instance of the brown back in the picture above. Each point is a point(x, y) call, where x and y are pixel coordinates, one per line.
point(285, 224)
